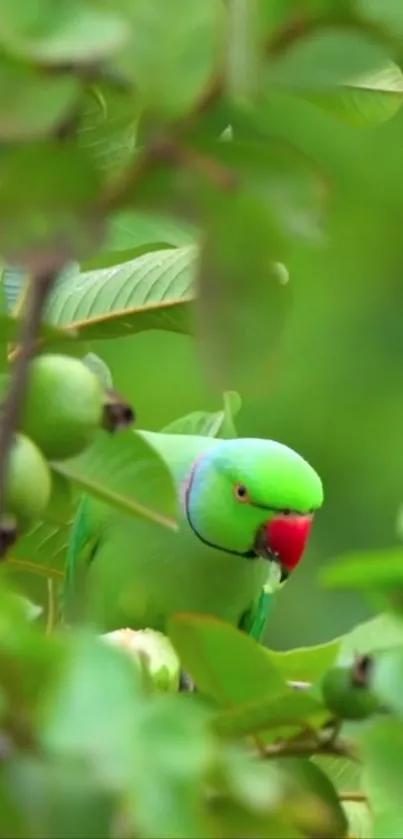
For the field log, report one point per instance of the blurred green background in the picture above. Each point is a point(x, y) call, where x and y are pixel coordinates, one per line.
point(335, 388)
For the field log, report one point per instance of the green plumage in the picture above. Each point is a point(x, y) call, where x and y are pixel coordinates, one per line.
point(124, 571)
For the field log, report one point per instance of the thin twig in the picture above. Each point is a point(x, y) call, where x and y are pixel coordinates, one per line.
point(354, 796)
point(310, 747)
point(50, 620)
point(40, 285)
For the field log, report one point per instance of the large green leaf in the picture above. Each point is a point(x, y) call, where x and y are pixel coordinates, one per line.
point(174, 52)
point(226, 664)
point(51, 33)
point(151, 751)
point(357, 81)
point(125, 472)
point(153, 291)
point(381, 747)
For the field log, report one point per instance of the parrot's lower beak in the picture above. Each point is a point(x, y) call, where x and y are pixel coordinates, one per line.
point(283, 540)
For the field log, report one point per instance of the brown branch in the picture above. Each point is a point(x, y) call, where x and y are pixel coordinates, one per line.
point(310, 747)
point(356, 796)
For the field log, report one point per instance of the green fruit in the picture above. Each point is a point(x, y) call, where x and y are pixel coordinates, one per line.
point(64, 406)
point(28, 482)
point(345, 698)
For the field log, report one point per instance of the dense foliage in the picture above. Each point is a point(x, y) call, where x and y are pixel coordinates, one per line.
point(211, 193)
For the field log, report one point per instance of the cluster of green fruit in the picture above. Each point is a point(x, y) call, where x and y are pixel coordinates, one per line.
point(64, 406)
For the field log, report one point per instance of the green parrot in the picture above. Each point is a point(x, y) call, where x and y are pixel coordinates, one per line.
point(246, 509)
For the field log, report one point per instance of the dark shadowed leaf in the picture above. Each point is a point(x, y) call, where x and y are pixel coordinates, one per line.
point(30, 105)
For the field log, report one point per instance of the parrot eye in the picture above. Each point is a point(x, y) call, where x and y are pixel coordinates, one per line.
point(241, 493)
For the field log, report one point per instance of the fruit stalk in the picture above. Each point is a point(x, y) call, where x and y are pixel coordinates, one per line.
point(40, 285)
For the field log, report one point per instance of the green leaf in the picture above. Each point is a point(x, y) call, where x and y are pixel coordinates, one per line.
point(380, 633)
point(208, 424)
point(10, 330)
point(70, 31)
point(40, 551)
point(240, 321)
point(153, 291)
point(386, 13)
point(360, 821)
point(131, 229)
point(155, 752)
point(387, 678)
point(127, 473)
point(366, 101)
point(345, 775)
point(357, 81)
point(76, 717)
point(305, 664)
point(14, 280)
point(98, 366)
point(245, 49)
point(288, 709)
point(45, 192)
point(381, 747)
point(173, 54)
point(225, 663)
point(32, 106)
point(107, 129)
point(56, 798)
point(312, 781)
point(109, 260)
point(60, 508)
point(366, 570)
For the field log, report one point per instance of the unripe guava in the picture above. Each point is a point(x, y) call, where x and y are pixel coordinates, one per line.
point(28, 482)
point(159, 656)
point(345, 698)
point(63, 407)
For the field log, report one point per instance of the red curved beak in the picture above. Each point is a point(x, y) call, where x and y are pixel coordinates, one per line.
point(287, 536)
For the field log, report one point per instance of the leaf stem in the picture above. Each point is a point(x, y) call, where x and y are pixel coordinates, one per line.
point(310, 747)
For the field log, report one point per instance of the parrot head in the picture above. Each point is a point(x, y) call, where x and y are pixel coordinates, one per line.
point(254, 498)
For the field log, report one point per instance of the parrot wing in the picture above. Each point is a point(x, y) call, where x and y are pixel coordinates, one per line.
point(82, 546)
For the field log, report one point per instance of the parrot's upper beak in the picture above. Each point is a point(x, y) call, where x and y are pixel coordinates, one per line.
point(283, 539)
